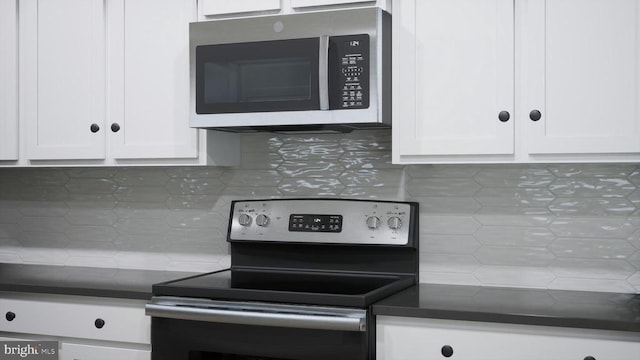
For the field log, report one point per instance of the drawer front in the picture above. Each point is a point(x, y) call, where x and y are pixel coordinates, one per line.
point(410, 339)
point(69, 351)
point(75, 318)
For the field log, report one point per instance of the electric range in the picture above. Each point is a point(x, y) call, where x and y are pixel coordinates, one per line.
point(303, 275)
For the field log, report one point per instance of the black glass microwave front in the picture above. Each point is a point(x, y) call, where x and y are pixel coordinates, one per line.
point(318, 73)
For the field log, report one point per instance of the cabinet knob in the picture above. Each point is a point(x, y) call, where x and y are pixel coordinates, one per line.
point(447, 351)
point(115, 127)
point(504, 116)
point(535, 115)
point(589, 358)
point(10, 315)
point(99, 323)
point(94, 128)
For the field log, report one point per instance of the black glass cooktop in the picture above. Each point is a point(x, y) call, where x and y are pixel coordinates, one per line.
point(300, 287)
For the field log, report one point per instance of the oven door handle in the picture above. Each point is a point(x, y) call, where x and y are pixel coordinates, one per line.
point(354, 320)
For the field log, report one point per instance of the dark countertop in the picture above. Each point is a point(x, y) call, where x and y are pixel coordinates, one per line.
point(576, 309)
point(84, 281)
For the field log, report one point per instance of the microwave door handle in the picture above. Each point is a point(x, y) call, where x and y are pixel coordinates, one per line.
point(323, 72)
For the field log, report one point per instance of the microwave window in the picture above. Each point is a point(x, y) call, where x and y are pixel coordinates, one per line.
point(263, 76)
point(260, 80)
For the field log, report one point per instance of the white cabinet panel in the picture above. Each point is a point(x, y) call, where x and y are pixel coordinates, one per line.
point(220, 7)
point(410, 339)
point(70, 351)
point(8, 80)
point(576, 64)
point(4, 338)
point(62, 77)
point(123, 322)
point(453, 75)
point(304, 3)
point(582, 73)
point(125, 333)
point(149, 79)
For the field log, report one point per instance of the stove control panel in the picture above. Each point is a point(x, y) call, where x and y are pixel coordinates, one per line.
point(322, 221)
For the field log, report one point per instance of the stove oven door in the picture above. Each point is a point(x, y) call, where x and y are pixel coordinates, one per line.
point(200, 329)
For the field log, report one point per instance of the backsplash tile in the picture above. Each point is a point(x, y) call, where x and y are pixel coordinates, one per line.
point(567, 226)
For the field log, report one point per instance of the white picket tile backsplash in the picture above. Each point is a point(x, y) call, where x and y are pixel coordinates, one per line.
point(568, 226)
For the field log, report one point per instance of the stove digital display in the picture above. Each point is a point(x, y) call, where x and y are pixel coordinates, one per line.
point(315, 223)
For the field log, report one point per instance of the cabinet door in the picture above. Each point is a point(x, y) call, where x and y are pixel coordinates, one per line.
point(149, 79)
point(70, 351)
point(452, 76)
point(62, 77)
point(4, 338)
point(122, 321)
point(581, 72)
point(409, 339)
point(305, 3)
point(221, 7)
point(8, 80)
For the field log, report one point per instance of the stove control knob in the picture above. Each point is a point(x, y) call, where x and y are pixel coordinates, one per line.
point(244, 220)
point(373, 222)
point(394, 223)
point(262, 220)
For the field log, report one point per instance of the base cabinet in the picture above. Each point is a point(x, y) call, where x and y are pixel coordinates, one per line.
point(69, 351)
point(399, 338)
point(86, 328)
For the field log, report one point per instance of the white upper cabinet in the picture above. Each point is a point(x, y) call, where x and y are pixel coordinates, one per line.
point(306, 3)
point(453, 77)
point(219, 7)
point(238, 8)
point(8, 80)
point(149, 80)
point(102, 83)
point(62, 78)
point(580, 67)
point(562, 74)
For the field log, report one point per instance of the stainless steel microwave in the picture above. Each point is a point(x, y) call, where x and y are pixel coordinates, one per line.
point(304, 71)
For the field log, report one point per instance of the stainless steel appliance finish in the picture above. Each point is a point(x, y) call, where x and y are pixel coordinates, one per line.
point(369, 223)
point(325, 69)
point(289, 294)
point(262, 314)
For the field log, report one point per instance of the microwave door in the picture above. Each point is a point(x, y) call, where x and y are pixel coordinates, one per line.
point(266, 76)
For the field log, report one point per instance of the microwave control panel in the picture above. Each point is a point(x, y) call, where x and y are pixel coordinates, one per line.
point(349, 69)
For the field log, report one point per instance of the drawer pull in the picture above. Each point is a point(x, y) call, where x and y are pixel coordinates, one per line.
point(99, 323)
point(10, 315)
point(447, 351)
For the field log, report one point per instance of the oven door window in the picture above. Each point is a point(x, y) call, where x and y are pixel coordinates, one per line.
point(173, 339)
point(279, 75)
